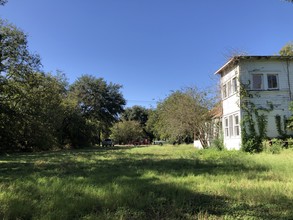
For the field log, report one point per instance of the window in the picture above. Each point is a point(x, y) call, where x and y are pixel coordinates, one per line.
point(229, 88)
point(234, 85)
point(257, 81)
point(231, 125)
point(272, 81)
point(226, 127)
point(236, 125)
point(224, 91)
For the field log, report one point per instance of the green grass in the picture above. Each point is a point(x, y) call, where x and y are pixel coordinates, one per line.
point(146, 183)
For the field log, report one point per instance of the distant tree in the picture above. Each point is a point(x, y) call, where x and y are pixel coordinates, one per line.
point(136, 113)
point(287, 50)
point(125, 132)
point(184, 113)
point(98, 102)
point(152, 123)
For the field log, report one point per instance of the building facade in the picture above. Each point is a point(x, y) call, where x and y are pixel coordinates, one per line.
point(259, 87)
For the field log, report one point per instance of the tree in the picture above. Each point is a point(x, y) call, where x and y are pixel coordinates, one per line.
point(135, 113)
point(17, 81)
point(287, 50)
point(127, 132)
point(98, 102)
point(185, 113)
point(151, 124)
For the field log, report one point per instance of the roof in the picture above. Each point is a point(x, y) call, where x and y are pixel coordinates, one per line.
point(217, 111)
point(234, 60)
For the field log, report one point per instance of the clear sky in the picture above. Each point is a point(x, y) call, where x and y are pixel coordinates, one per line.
point(151, 47)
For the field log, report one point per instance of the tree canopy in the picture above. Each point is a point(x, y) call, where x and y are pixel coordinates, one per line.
point(184, 113)
point(127, 132)
point(287, 50)
point(135, 113)
point(38, 111)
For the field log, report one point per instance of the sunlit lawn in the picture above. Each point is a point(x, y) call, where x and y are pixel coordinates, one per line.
point(146, 183)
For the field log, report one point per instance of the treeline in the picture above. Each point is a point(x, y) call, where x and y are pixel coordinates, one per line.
point(41, 111)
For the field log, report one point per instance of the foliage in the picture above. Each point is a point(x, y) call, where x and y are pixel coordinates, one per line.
point(290, 142)
point(125, 132)
point(254, 123)
point(98, 100)
point(282, 130)
point(38, 112)
point(29, 99)
point(184, 113)
point(276, 146)
point(152, 124)
point(218, 143)
point(136, 113)
point(141, 115)
point(155, 182)
point(3, 2)
point(98, 103)
point(290, 119)
point(287, 50)
point(252, 144)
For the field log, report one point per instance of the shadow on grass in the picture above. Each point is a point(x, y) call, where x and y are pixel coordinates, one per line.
point(129, 192)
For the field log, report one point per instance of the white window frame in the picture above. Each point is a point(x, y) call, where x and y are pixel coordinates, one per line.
point(225, 95)
point(231, 127)
point(236, 125)
point(234, 85)
point(229, 88)
point(226, 124)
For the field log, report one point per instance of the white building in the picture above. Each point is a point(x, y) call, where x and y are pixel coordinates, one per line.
point(266, 84)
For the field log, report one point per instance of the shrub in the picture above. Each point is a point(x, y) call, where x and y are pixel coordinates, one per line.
point(252, 145)
point(290, 142)
point(218, 143)
point(273, 146)
point(277, 145)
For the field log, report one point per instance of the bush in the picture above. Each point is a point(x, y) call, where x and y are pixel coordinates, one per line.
point(218, 144)
point(290, 142)
point(252, 145)
point(273, 146)
point(277, 145)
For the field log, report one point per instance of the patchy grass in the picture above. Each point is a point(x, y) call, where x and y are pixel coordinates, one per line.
point(156, 182)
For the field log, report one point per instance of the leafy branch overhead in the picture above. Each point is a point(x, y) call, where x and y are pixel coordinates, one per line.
point(3, 2)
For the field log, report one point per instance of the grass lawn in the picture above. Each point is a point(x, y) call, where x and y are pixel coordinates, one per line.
point(146, 183)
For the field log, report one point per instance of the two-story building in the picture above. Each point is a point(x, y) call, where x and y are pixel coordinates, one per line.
point(262, 83)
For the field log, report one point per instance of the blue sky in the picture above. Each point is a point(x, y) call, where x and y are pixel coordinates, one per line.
point(151, 47)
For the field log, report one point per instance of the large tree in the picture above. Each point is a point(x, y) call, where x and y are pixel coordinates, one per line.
point(184, 113)
point(18, 83)
point(99, 102)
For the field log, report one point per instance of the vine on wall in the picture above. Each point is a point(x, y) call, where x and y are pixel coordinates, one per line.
point(252, 118)
point(282, 130)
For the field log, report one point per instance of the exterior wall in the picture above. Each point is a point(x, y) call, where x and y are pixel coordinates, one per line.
point(231, 107)
point(279, 98)
point(197, 144)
